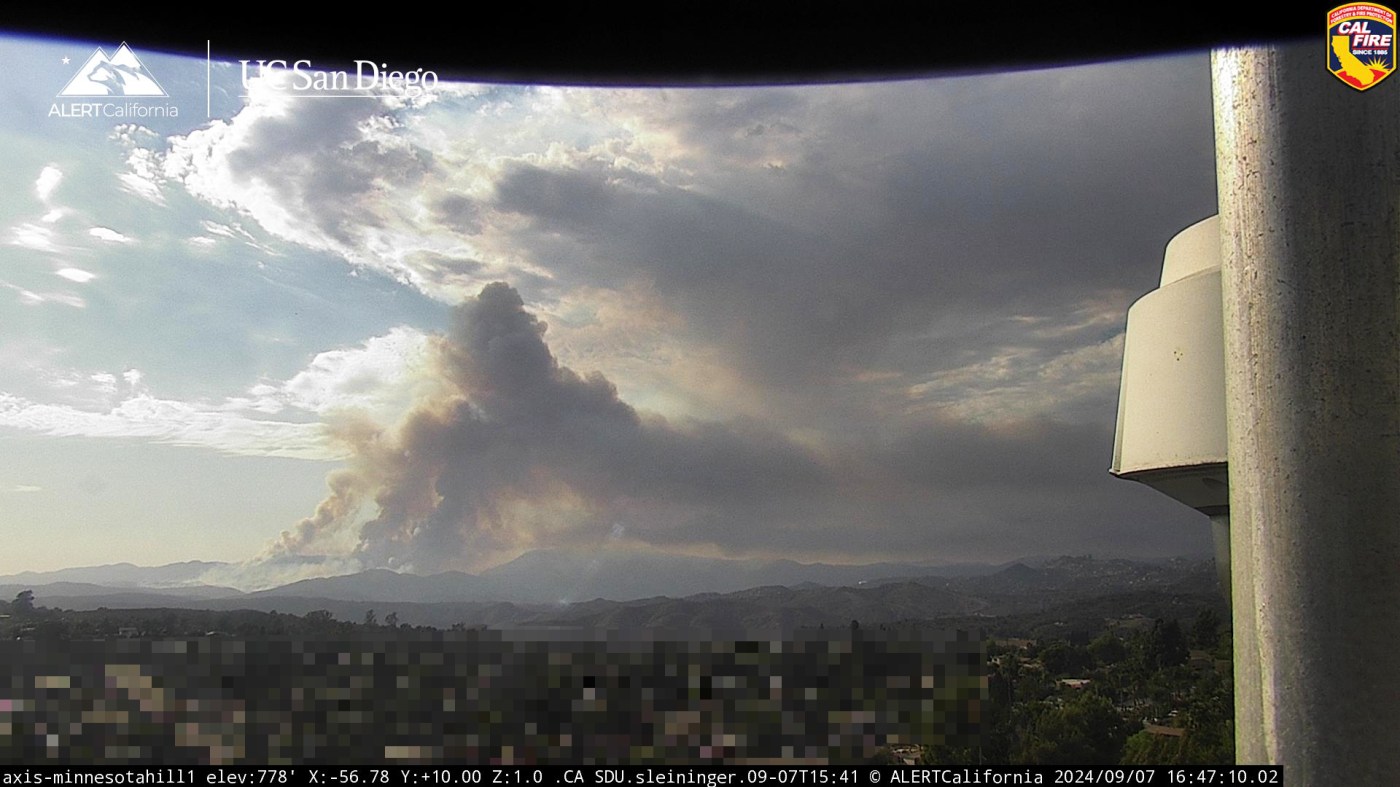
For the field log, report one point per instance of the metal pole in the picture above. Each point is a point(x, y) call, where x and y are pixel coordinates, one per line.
point(1309, 182)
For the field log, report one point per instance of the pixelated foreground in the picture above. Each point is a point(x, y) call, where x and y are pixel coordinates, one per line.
point(522, 697)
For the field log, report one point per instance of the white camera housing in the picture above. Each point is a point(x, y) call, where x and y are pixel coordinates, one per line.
point(1171, 405)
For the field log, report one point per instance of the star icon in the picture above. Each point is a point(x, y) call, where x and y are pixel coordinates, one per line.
point(66, 60)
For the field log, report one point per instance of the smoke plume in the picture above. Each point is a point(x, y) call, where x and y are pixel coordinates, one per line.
point(513, 451)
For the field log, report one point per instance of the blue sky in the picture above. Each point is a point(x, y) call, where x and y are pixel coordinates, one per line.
point(841, 322)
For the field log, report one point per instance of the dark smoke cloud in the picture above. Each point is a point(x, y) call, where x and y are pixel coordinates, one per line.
point(513, 451)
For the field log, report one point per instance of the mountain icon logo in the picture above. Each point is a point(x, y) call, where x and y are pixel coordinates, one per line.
point(122, 74)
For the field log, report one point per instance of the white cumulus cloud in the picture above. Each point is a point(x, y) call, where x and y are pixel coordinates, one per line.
point(48, 180)
point(76, 274)
point(171, 422)
point(33, 236)
point(109, 235)
point(381, 377)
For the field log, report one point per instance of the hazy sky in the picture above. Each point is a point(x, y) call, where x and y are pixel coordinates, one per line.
point(839, 322)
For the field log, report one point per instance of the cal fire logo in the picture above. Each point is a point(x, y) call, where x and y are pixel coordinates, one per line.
point(1361, 44)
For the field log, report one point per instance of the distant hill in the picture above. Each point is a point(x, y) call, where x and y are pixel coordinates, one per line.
point(504, 598)
point(120, 575)
point(560, 575)
point(540, 576)
point(8, 590)
point(384, 585)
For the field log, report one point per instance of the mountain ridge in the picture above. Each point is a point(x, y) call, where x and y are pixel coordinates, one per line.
point(451, 598)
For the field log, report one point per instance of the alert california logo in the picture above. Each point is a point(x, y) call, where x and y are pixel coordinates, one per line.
point(1361, 44)
point(119, 86)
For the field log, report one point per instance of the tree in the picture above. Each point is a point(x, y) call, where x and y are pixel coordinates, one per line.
point(1225, 648)
point(1061, 658)
point(1108, 649)
point(1209, 716)
point(1144, 748)
point(1086, 730)
point(23, 603)
point(392, 620)
point(370, 620)
point(1206, 632)
point(1166, 645)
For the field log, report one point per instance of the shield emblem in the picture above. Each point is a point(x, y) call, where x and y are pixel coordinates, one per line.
point(1361, 44)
